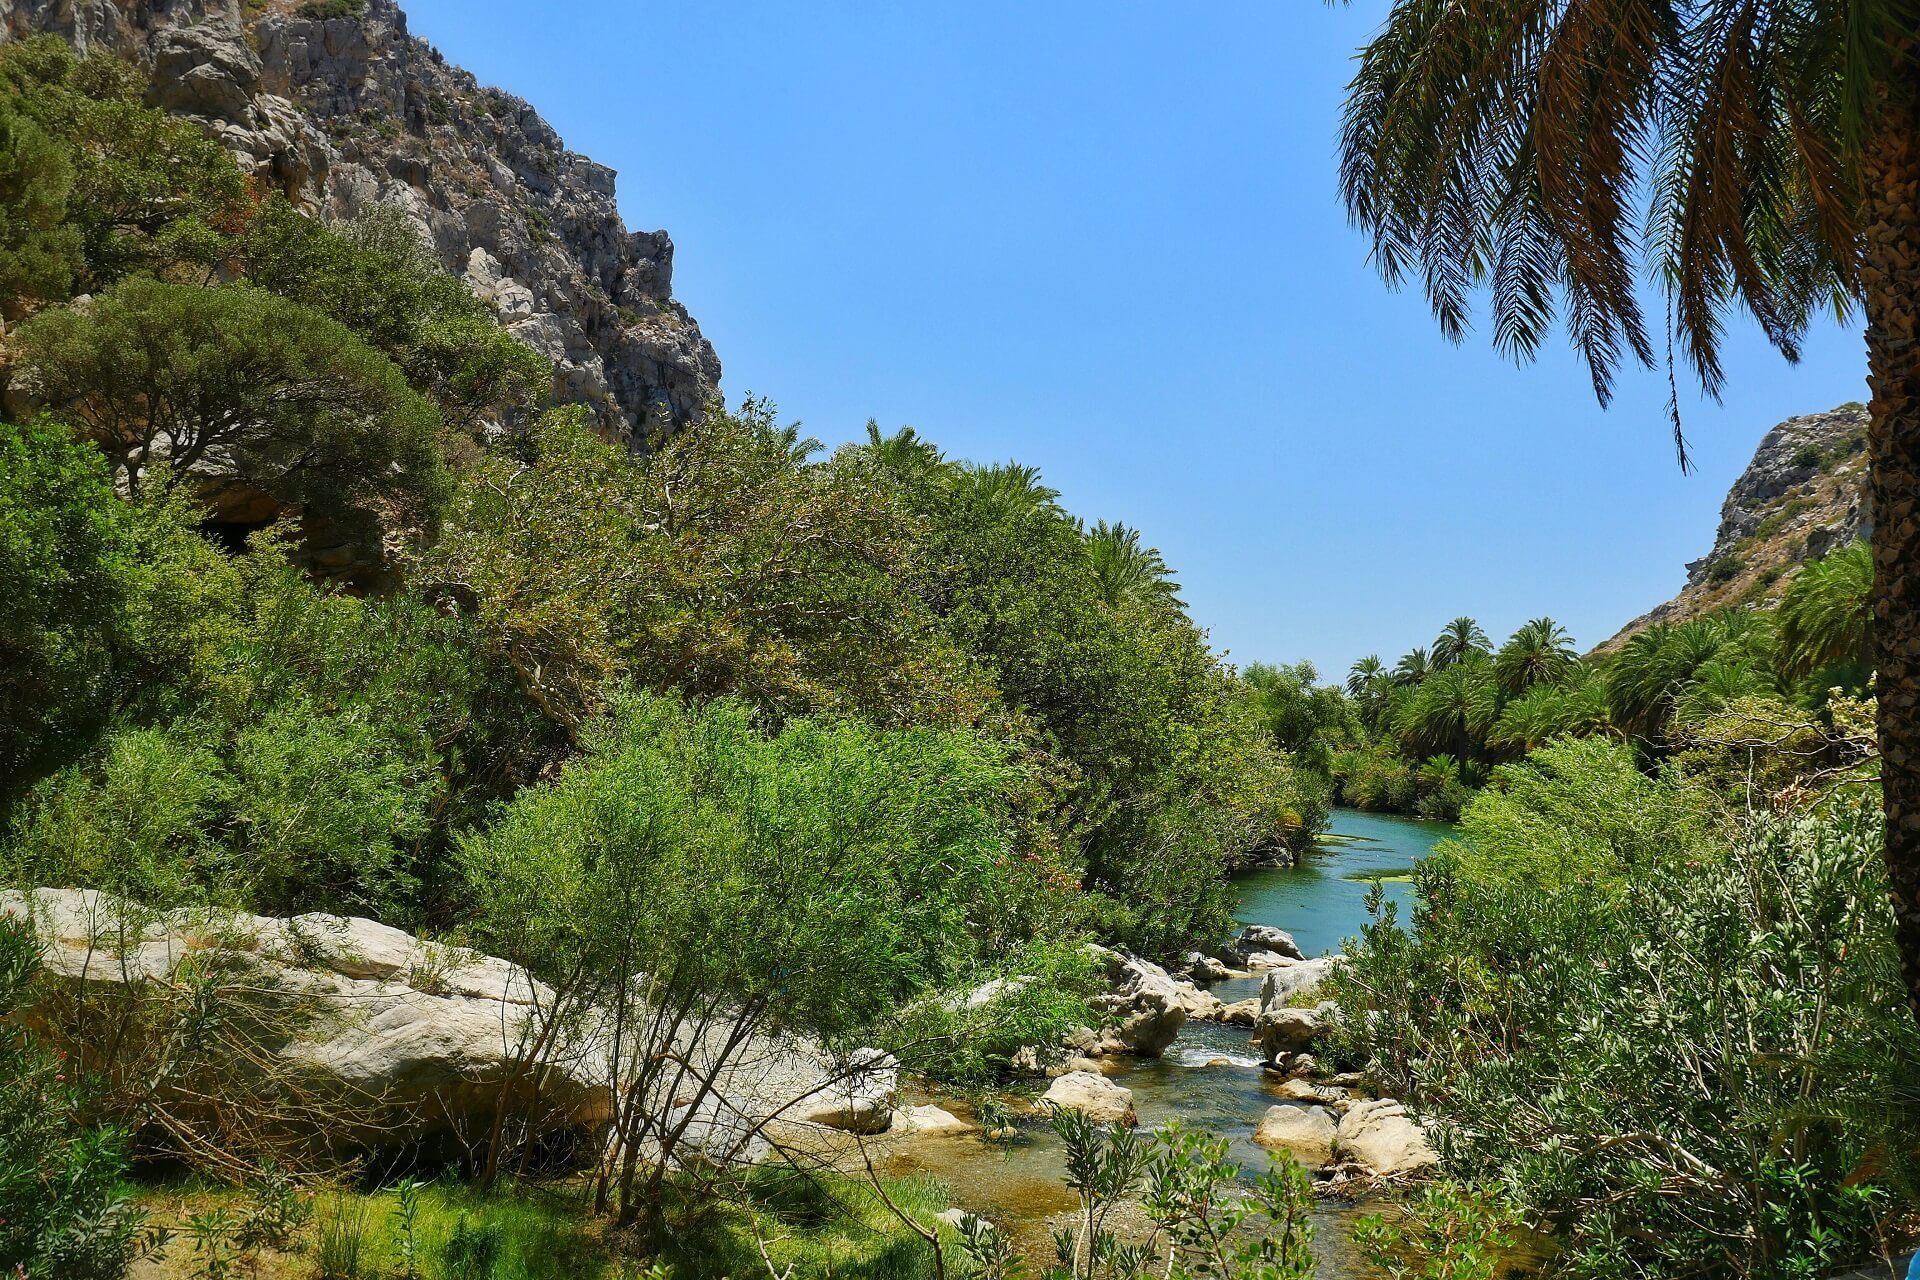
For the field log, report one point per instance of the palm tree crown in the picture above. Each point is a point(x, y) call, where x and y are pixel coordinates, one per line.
point(1363, 675)
point(1458, 641)
point(1125, 567)
point(1508, 148)
point(1413, 668)
point(1541, 651)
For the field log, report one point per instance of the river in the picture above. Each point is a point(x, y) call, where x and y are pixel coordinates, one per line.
point(1210, 1078)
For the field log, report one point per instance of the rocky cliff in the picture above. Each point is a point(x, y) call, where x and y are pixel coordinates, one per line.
point(1803, 495)
point(335, 103)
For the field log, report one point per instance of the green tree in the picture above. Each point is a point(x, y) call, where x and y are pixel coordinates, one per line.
point(39, 247)
point(1826, 616)
point(1778, 148)
point(1651, 670)
point(1306, 718)
point(376, 276)
point(1458, 641)
point(867, 868)
point(150, 192)
point(1541, 651)
point(726, 563)
point(67, 553)
point(236, 380)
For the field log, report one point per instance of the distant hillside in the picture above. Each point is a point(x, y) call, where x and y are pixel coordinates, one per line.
point(1803, 494)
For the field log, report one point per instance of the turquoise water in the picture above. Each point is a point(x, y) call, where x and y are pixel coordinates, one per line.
point(1211, 1076)
point(1322, 901)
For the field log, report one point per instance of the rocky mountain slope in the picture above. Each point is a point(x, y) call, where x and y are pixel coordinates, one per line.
point(1803, 495)
point(337, 104)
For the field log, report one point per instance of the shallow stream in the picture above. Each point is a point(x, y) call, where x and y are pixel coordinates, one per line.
point(1211, 1077)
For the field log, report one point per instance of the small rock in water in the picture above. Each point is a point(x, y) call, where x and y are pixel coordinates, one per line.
point(929, 1121)
point(1094, 1096)
point(1241, 1013)
point(1305, 1133)
point(1264, 939)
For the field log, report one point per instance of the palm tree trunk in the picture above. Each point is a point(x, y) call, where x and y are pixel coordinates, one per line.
point(1890, 279)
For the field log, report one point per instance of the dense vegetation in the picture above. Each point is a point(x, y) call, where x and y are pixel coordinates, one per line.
point(1423, 735)
point(314, 601)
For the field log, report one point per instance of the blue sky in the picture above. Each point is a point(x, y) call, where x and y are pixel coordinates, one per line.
point(1104, 238)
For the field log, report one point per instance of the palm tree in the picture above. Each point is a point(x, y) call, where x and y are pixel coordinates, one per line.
point(905, 452)
point(1010, 491)
point(1458, 640)
point(1126, 569)
point(1539, 652)
point(1413, 668)
point(1452, 711)
point(1364, 676)
point(1826, 617)
point(1507, 148)
point(1653, 667)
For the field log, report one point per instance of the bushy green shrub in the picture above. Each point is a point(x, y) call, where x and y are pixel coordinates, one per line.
point(65, 1211)
point(1703, 1065)
point(67, 557)
point(1579, 810)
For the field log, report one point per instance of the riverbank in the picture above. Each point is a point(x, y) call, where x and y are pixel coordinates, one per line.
point(1211, 1077)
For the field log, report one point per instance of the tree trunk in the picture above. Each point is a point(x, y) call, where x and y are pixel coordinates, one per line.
point(1890, 283)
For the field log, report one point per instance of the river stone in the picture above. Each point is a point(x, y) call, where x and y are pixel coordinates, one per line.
point(1205, 970)
point(1141, 1012)
point(1304, 1132)
point(1285, 1030)
point(1259, 939)
point(1384, 1140)
point(929, 1122)
point(1284, 982)
point(1298, 1090)
point(1241, 1013)
point(859, 1097)
point(1094, 1096)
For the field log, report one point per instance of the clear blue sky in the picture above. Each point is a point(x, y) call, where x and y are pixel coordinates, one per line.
point(1103, 237)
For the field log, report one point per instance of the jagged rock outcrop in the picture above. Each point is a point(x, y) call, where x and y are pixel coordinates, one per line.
point(1803, 495)
point(344, 113)
point(1142, 1010)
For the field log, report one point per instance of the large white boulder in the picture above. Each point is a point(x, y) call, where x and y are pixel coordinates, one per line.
point(856, 1095)
point(1095, 1096)
point(1142, 1010)
point(414, 1038)
point(1284, 1030)
point(1306, 1133)
point(1264, 940)
point(1293, 979)
point(1384, 1140)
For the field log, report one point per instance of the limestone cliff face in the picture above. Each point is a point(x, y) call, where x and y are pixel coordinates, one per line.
point(1803, 495)
point(343, 113)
